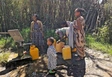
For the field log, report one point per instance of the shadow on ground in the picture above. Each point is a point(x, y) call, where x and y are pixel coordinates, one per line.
point(39, 68)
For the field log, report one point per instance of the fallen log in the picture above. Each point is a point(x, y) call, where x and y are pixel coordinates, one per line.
point(4, 33)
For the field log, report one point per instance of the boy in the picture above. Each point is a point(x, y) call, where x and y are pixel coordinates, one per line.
point(52, 56)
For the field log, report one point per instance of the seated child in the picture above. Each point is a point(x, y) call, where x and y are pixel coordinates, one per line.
point(52, 56)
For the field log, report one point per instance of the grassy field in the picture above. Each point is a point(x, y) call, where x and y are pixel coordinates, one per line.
point(92, 42)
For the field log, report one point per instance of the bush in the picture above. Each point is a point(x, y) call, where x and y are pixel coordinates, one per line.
point(105, 33)
point(26, 34)
point(50, 33)
point(4, 57)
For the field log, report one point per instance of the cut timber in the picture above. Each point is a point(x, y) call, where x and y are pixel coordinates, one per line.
point(15, 34)
point(4, 33)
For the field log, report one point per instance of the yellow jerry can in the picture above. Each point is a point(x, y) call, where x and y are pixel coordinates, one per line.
point(74, 50)
point(66, 53)
point(59, 46)
point(54, 43)
point(34, 52)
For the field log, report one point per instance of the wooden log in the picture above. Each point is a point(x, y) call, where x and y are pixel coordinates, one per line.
point(4, 33)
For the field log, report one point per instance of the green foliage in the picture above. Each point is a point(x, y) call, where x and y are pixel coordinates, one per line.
point(92, 42)
point(17, 13)
point(2, 41)
point(50, 33)
point(7, 42)
point(105, 33)
point(26, 34)
point(108, 9)
point(4, 57)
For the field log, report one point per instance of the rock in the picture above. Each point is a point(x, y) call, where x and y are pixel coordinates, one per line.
point(107, 59)
point(106, 56)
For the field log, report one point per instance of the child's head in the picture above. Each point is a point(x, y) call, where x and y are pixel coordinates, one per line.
point(50, 41)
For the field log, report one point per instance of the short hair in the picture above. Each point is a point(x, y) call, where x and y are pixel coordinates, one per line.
point(51, 39)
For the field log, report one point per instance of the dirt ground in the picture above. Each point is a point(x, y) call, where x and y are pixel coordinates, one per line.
point(98, 64)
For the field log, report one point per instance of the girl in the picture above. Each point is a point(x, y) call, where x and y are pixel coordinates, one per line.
point(37, 36)
point(77, 40)
point(79, 31)
point(52, 56)
point(78, 66)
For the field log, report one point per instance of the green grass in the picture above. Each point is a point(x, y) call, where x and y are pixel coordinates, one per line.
point(92, 43)
point(2, 42)
point(6, 42)
point(4, 57)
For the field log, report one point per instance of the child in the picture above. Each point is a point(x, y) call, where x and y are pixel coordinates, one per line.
point(52, 56)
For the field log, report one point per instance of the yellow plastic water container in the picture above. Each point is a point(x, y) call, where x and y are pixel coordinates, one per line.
point(34, 52)
point(74, 50)
point(59, 46)
point(54, 43)
point(66, 53)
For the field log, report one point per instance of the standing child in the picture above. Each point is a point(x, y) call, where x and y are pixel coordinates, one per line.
point(52, 56)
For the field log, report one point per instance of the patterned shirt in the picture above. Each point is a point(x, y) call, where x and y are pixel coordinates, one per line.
point(52, 57)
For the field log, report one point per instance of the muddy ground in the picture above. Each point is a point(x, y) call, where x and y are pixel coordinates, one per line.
point(98, 64)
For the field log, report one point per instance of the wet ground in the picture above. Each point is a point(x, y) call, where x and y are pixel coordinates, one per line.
point(98, 64)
